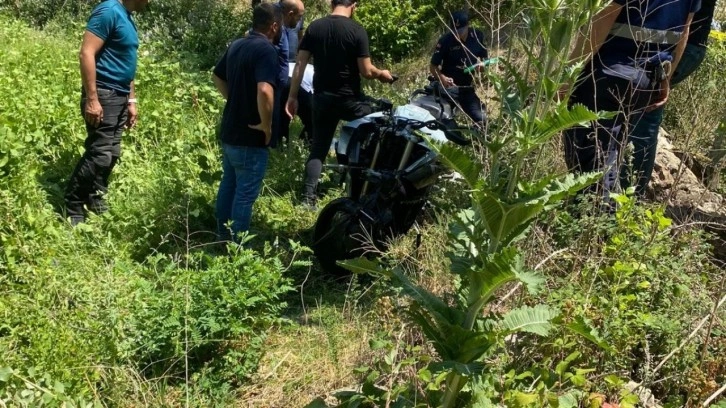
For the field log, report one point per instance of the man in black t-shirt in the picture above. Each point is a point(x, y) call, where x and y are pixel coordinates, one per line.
point(246, 76)
point(339, 46)
point(455, 51)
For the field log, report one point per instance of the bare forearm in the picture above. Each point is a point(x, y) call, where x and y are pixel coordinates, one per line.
point(221, 86)
point(88, 74)
point(297, 75)
point(372, 73)
point(680, 48)
point(132, 92)
point(435, 70)
point(589, 42)
point(265, 101)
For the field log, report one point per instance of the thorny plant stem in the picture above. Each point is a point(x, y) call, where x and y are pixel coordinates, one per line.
point(706, 338)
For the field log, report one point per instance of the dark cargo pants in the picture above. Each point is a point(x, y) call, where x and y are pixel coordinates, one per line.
point(89, 182)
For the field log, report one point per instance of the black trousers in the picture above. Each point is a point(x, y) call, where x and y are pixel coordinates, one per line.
point(328, 110)
point(471, 105)
point(89, 182)
point(305, 113)
point(601, 147)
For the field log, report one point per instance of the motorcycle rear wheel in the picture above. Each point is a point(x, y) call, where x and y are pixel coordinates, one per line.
point(338, 234)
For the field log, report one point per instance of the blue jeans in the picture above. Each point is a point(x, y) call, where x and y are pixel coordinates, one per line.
point(243, 170)
point(644, 135)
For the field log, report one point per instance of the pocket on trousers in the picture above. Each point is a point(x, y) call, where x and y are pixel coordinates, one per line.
point(637, 77)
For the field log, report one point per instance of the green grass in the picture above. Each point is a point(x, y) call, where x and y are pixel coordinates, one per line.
point(140, 308)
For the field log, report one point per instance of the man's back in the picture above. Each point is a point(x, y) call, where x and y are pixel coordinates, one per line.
point(701, 25)
point(336, 42)
point(247, 62)
point(645, 29)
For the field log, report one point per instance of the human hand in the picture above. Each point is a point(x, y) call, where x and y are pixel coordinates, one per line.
point(266, 129)
point(132, 116)
point(93, 112)
point(291, 107)
point(447, 82)
point(662, 98)
point(385, 76)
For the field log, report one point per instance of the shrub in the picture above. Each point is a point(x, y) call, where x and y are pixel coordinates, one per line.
point(200, 28)
point(41, 12)
point(396, 28)
point(102, 309)
point(642, 286)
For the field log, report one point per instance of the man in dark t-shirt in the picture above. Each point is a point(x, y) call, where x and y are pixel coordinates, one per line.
point(455, 51)
point(339, 46)
point(246, 76)
point(645, 134)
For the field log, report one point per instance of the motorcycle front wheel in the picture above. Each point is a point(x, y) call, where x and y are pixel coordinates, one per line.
point(338, 234)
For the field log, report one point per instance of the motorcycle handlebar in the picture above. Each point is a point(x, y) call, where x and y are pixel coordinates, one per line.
point(453, 135)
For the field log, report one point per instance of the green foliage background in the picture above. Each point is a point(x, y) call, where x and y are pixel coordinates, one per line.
point(137, 307)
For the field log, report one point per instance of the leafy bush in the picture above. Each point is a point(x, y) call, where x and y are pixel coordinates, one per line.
point(197, 312)
point(41, 12)
point(200, 28)
point(95, 313)
point(396, 28)
point(631, 287)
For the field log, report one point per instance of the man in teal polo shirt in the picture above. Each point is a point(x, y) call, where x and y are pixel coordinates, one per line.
point(108, 59)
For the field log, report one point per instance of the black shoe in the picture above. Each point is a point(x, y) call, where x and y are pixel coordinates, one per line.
point(309, 204)
point(76, 219)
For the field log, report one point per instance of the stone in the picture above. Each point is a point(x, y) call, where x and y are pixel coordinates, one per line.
point(687, 199)
point(647, 400)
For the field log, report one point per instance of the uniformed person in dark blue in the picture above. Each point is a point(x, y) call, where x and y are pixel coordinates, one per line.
point(629, 53)
point(456, 50)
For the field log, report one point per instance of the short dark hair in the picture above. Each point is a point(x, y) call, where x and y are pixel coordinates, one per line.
point(264, 15)
point(344, 3)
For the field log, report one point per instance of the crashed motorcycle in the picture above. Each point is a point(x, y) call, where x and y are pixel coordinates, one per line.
point(388, 167)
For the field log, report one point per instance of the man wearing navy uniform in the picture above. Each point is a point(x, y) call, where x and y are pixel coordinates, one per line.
point(108, 59)
point(629, 52)
point(645, 134)
point(455, 51)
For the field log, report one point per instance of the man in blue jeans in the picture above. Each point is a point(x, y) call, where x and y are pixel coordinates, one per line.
point(645, 134)
point(108, 61)
point(246, 76)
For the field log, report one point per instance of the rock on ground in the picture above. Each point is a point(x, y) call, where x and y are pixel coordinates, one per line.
point(686, 197)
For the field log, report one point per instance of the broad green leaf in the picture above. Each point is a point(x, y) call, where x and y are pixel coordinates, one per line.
point(536, 320)
point(532, 281)
point(583, 328)
point(499, 269)
point(522, 399)
point(5, 373)
point(558, 120)
point(570, 400)
point(460, 161)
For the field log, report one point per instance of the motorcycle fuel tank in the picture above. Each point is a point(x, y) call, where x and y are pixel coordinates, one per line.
point(406, 111)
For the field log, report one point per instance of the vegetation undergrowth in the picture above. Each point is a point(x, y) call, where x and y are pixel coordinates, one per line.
point(139, 307)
